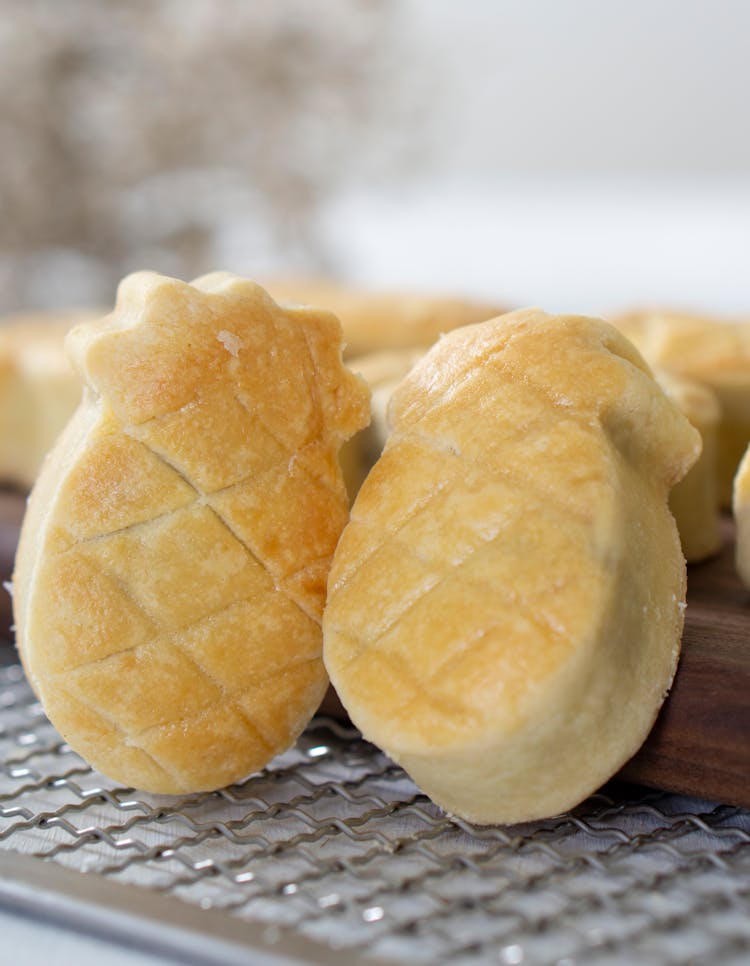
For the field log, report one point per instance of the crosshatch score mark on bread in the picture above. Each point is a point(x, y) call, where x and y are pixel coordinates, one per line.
point(172, 570)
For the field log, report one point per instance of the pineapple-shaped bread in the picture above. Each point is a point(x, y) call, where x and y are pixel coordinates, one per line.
point(714, 352)
point(506, 603)
point(171, 575)
point(376, 321)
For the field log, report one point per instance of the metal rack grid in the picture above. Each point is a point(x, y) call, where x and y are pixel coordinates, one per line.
point(333, 844)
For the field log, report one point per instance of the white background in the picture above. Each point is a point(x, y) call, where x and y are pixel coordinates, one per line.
point(581, 155)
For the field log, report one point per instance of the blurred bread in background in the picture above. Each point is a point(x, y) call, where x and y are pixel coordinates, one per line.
point(376, 321)
point(711, 351)
point(741, 510)
point(382, 371)
point(694, 501)
point(39, 390)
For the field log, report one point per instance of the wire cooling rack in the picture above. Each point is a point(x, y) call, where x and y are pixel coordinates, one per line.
point(333, 848)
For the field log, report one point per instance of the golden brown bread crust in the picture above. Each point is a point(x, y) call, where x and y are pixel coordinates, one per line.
point(378, 321)
point(693, 501)
point(171, 573)
point(505, 606)
point(715, 352)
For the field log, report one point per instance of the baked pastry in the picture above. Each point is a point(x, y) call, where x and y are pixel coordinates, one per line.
point(506, 603)
point(694, 501)
point(376, 321)
point(741, 510)
point(171, 574)
point(39, 391)
point(714, 352)
point(382, 371)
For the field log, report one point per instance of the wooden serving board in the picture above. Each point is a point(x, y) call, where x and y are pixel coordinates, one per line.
point(700, 744)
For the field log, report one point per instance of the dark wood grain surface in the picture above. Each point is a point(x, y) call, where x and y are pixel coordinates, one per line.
point(700, 743)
